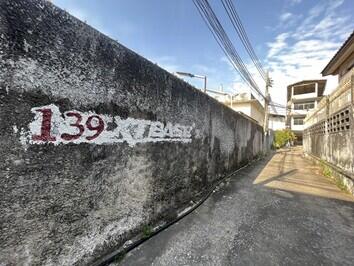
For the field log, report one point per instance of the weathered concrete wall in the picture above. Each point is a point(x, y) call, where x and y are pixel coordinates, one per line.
point(330, 137)
point(96, 142)
point(335, 150)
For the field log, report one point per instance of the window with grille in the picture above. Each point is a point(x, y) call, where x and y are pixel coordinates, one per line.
point(304, 106)
point(298, 121)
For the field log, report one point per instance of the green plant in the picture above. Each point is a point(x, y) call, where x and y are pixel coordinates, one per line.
point(341, 185)
point(147, 231)
point(282, 137)
point(326, 170)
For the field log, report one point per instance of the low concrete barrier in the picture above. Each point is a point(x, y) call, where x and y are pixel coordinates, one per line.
point(98, 144)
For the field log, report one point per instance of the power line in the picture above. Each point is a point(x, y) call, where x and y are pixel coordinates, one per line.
point(231, 51)
point(228, 48)
point(283, 107)
point(237, 24)
point(224, 42)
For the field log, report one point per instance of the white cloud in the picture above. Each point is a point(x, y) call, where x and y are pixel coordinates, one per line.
point(278, 44)
point(285, 16)
point(303, 52)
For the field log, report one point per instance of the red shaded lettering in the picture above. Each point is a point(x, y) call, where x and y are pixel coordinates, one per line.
point(45, 127)
point(99, 128)
point(77, 124)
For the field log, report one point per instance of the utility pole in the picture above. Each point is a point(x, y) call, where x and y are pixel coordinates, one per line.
point(269, 82)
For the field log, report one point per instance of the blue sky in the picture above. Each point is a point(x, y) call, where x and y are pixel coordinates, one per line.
point(294, 39)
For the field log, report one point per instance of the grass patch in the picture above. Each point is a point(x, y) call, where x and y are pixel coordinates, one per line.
point(327, 172)
point(341, 185)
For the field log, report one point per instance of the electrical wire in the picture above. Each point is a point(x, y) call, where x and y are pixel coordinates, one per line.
point(237, 24)
point(224, 42)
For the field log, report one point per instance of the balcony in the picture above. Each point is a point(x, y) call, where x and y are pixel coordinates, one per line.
point(299, 112)
point(304, 96)
point(297, 127)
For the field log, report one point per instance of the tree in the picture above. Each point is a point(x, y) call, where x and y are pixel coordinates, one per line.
point(281, 137)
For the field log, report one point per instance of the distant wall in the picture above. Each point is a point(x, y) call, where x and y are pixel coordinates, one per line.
point(96, 142)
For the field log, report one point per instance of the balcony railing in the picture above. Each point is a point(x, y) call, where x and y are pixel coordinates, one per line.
point(304, 96)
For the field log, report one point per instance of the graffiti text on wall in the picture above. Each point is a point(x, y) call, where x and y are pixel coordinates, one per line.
point(51, 126)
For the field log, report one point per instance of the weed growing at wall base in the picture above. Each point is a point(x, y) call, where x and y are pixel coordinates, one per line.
point(327, 172)
point(147, 231)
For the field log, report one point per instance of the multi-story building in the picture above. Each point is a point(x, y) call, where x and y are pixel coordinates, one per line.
point(302, 97)
point(244, 103)
point(247, 104)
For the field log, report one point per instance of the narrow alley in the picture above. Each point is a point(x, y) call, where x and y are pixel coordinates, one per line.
point(279, 211)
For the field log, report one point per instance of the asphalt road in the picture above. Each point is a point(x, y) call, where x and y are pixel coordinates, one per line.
point(279, 211)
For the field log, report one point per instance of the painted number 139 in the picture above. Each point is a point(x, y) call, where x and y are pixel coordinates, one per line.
point(45, 133)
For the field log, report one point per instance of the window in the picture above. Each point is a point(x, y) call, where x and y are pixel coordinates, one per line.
point(298, 121)
point(304, 106)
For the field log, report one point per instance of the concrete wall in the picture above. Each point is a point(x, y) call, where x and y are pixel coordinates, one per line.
point(329, 133)
point(96, 142)
point(335, 148)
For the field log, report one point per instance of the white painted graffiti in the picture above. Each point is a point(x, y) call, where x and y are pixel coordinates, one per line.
point(51, 126)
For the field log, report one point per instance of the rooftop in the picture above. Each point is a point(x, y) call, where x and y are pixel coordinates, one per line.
point(344, 52)
point(307, 84)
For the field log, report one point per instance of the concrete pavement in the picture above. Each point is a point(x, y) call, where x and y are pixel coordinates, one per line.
point(279, 211)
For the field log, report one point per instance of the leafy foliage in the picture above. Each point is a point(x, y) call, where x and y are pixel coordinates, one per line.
point(281, 137)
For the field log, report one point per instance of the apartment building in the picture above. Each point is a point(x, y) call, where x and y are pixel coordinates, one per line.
point(245, 103)
point(302, 97)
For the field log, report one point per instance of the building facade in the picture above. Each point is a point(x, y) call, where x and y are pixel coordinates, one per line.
point(302, 97)
point(276, 121)
point(245, 103)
